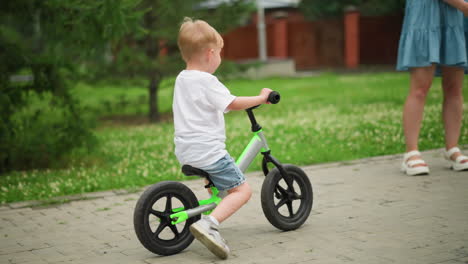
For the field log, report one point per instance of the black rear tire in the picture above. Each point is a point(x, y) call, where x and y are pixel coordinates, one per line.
point(284, 209)
point(152, 222)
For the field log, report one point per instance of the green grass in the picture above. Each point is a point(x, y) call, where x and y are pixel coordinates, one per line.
point(319, 119)
point(121, 97)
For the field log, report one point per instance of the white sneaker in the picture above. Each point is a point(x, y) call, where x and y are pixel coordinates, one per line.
point(205, 231)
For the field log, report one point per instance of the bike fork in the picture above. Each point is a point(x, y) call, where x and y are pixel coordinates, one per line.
point(268, 158)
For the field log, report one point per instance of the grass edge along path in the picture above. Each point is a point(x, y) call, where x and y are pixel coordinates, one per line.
point(320, 119)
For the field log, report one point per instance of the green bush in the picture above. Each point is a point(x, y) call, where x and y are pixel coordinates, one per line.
point(231, 70)
point(44, 132)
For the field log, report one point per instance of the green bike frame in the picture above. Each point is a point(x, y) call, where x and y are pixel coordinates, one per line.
point(257, 144)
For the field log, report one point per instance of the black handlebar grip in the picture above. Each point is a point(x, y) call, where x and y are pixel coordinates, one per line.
point(274, 97)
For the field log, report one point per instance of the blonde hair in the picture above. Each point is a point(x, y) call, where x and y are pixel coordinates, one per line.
point(196, 35)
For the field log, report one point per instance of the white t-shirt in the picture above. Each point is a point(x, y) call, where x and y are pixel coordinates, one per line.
point(200, 101)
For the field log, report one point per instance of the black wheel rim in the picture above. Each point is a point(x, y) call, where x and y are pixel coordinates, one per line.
point(158, 223)
point(288, 203)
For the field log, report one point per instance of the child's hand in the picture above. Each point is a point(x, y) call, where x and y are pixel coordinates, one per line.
point(264, 93)
point(244, 102)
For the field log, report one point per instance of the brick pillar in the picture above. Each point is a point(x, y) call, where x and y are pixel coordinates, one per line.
point(163, 51)
point(280, 36)
point(351, 28)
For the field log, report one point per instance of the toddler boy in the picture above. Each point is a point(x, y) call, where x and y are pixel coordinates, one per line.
point(200, 101)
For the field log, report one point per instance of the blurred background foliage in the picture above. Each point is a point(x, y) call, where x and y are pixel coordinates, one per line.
point(47, 46)
point(41, 44)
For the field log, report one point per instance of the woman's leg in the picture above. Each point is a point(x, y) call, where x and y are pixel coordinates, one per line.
point(452, 108)
point(420, 83)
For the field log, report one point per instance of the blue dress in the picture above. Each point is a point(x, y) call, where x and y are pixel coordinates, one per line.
point(433, 33)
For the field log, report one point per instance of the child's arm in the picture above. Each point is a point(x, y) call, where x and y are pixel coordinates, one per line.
point(459, 4)
point(244, 102)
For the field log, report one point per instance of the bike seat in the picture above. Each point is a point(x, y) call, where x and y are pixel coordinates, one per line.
point(192, 171)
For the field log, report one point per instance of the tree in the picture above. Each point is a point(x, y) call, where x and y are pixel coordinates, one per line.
point(314, 9)
point(47, 39)
point(154, 53)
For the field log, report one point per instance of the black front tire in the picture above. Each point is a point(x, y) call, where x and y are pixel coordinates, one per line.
point(284, 209)
point(152, 222)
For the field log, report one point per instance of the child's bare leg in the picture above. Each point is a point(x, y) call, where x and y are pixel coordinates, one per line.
point(235, 199)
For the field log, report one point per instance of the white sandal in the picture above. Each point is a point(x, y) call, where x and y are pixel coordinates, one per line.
point(456, 164)
point(409, 166)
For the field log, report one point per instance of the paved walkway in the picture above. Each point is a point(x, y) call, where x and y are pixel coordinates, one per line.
point(364, 212)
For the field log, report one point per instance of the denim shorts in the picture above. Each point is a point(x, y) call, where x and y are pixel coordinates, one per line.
point(225, 174)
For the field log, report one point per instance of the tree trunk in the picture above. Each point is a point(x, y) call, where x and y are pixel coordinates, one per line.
point(155, 80)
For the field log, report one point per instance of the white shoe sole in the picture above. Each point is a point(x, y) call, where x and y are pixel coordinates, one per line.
point(416, 171)
point(201, 235)
point(459, 166)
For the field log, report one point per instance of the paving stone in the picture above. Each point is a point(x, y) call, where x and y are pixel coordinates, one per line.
point(18, 257)
point(22, 205)
point(364, 212)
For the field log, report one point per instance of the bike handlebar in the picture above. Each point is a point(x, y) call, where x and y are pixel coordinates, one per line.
point(274, 97)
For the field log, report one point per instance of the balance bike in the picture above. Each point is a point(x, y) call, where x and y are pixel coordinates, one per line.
point(166, 209)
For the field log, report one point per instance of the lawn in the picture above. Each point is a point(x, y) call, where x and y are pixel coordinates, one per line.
point(331, 117)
